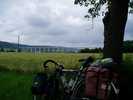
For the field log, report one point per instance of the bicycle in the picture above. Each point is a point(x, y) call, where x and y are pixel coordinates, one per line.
point(72, 89)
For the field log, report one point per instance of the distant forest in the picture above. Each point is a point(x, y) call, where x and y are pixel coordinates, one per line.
point(127, 48)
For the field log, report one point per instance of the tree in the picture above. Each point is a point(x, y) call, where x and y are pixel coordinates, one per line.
point(114, 21)
point(94, 50)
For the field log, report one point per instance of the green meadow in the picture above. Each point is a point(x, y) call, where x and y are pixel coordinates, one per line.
point(18, 69)
point(32, 62)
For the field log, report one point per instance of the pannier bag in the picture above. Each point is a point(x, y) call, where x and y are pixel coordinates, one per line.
point(97, 81)
point(40, 84)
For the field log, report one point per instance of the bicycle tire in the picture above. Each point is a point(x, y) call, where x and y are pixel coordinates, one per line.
point(78, 91)
point(111, 94)
point(39, 97)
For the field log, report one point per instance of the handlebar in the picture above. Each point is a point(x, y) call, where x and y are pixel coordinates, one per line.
point(86, 62)
point(58, 68)
point(48, 61)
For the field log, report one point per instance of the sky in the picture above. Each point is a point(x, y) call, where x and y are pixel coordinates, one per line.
point(52, 22)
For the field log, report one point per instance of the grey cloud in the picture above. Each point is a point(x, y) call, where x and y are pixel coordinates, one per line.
point(48, 22)
point(129, 28)
point(38, 22)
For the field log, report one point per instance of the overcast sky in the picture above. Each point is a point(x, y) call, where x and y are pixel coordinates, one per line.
point(51, 22)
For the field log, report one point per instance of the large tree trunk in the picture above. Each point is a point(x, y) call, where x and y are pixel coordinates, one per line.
point(114, 27)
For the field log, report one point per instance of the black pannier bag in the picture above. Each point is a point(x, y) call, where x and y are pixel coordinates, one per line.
point(40, 84)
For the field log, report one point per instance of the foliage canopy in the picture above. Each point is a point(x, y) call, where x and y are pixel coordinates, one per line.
point(95, 6)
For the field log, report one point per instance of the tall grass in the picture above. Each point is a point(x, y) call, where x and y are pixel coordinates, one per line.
point(32, 62)
point(128, 61)
point(16, 86)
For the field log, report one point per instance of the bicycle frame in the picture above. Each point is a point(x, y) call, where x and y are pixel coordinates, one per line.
point(73, 82)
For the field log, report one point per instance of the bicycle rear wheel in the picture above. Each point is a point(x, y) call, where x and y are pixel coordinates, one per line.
point(113, 94)
point(78, 92)
point(40, 97)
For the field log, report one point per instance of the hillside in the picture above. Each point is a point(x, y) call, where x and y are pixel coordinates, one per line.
point(8, 45)
point(4, 44)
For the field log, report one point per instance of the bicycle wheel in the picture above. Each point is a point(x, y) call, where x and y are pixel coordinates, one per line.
point(40, 97)
point(78, 92)
point(113, 93)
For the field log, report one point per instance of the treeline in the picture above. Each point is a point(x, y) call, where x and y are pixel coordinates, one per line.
point(7, 50)
point(88, 50)
point(127, 48)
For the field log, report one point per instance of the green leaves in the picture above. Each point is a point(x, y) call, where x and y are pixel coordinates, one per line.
point(94, 6)
point(131, 6)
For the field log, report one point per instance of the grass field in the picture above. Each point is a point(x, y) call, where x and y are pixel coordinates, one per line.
point(16, 70)
point(30, 62)
point(15, 86)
